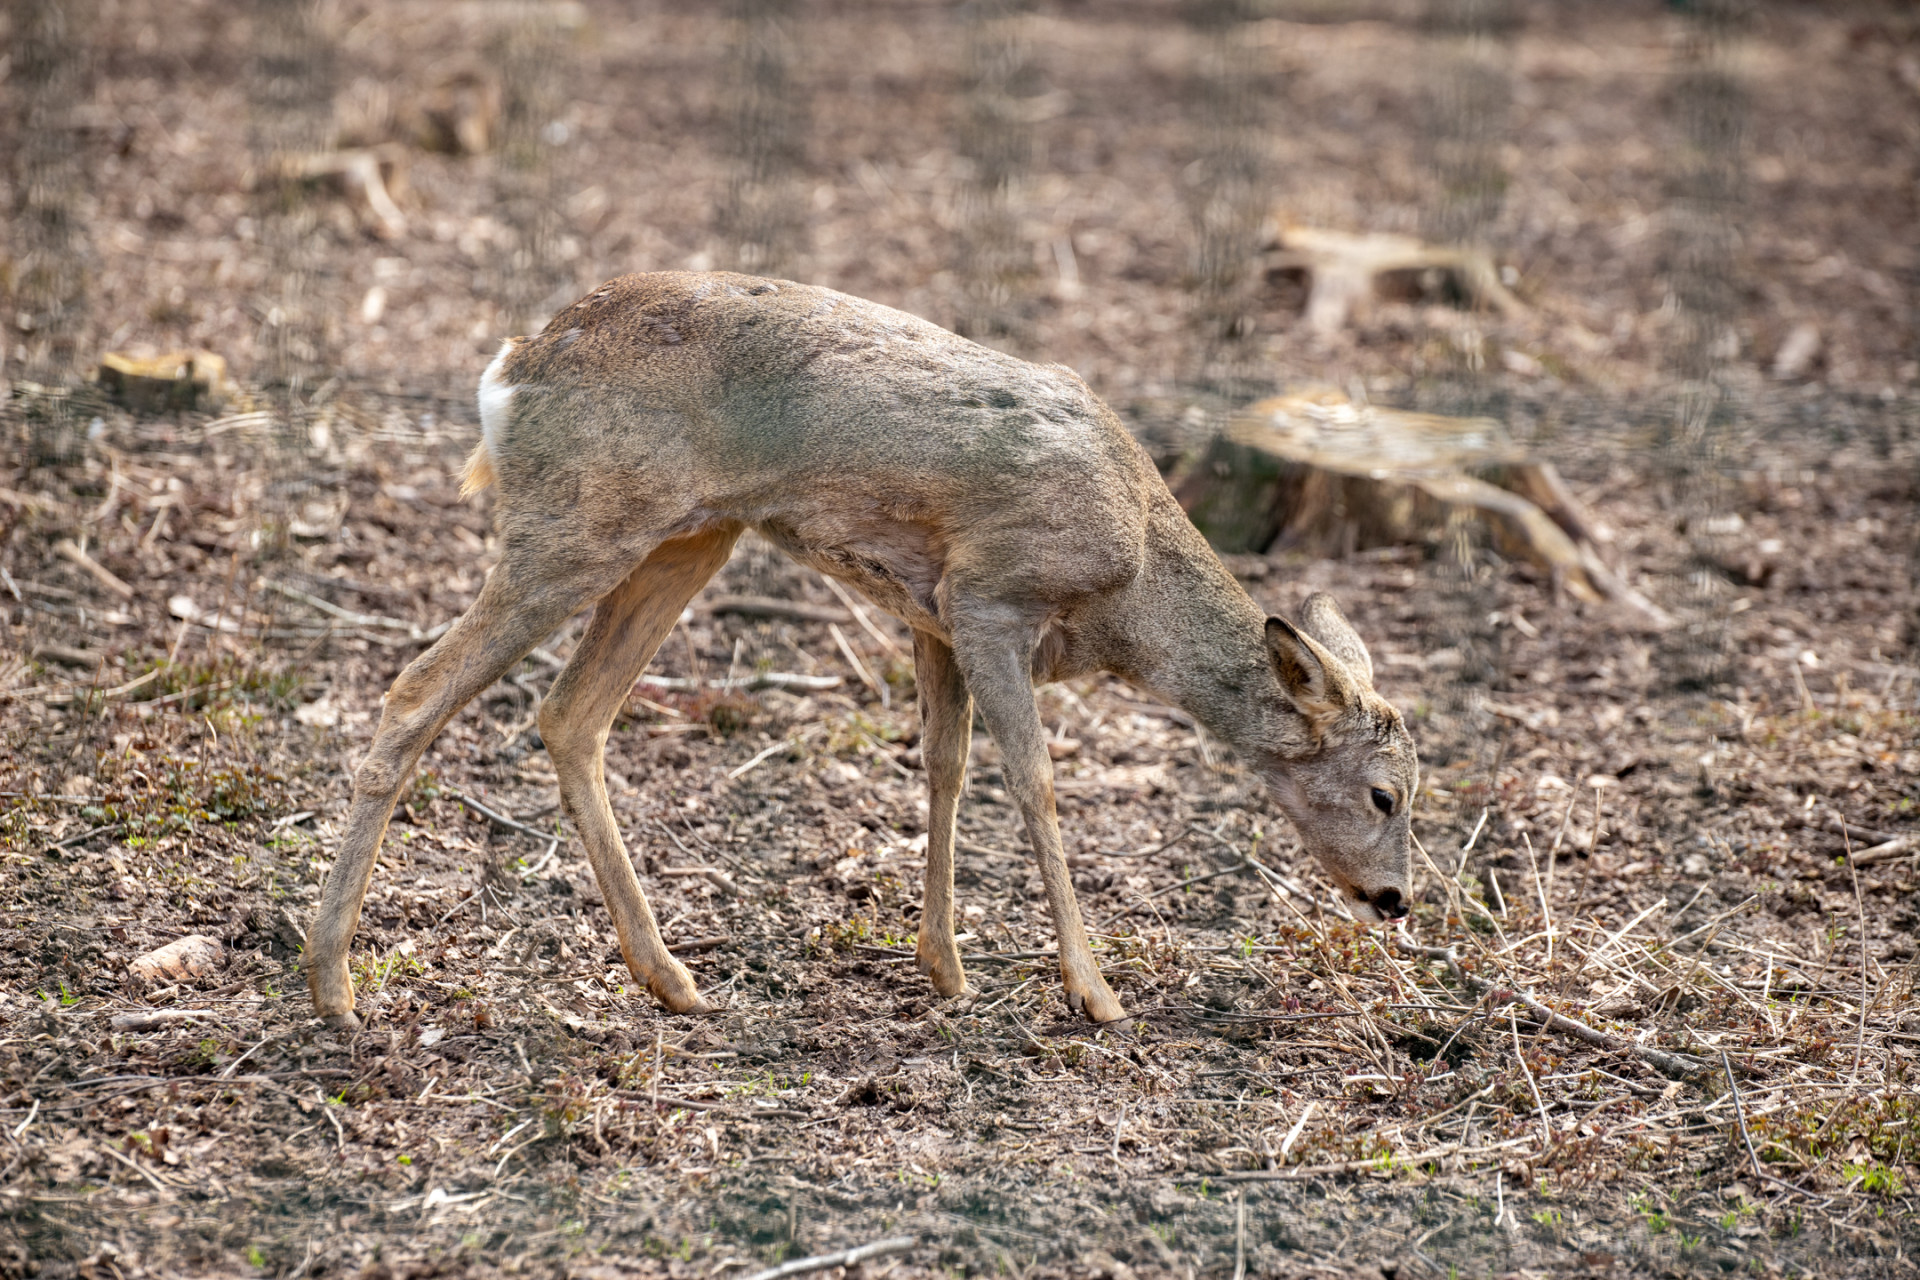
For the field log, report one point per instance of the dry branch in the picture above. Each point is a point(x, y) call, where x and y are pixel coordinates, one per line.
point(414, 633)
point(1678, 1066)
point(1887, 851)
point(500, 818)
point(68, 549)
point(155, 1019)
point(770, 607)
point(747, 683)
point(845, 1258)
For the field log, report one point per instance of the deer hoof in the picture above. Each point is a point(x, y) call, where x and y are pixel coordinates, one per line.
point(1101, 1007)
point(944, 971)
point(342, 1021)
point(689, 1003)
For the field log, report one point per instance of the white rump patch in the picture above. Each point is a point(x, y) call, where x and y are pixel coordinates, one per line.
point(496, 399)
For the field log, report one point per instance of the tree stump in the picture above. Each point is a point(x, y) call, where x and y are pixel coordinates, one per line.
point(176, 380)
point(371, 179)
point(1345, 271)
point(1313, 470)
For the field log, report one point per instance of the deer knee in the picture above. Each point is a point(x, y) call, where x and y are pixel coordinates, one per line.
point(379, 776)
point(562, 734)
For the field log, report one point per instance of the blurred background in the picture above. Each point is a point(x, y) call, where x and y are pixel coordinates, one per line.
point(1712, 192)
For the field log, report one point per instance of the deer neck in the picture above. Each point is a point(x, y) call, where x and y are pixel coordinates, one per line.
point(1188, 631)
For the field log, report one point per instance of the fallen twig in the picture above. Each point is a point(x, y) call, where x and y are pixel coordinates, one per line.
point(1887, 852)
point(85, 836)
point(713, 875)
point(785, 744)
point(860, 616)
point(1215, 1015)
point(357, 619)
point(76, 693)
point(455, 909)
point(1243, 865)
point(154, 1019)
point(845, 1258)
point(166, 1192)
point(769, 607)
point(1182, 838)
point(1362, 1166)
point(1520, 1056)
point(1678, 1066)
point(500, 818)
point(859, 668)
point(68, 549)
point(746, 683)
point(692, 945)
point(1740, 1113)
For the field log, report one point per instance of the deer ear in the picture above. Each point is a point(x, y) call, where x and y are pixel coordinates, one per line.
point(1318, 683)
point(1321, 618)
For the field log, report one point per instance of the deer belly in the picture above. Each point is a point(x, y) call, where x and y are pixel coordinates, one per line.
point(895, 564)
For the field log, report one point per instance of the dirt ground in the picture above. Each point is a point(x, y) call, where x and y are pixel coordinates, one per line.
point(1699, 842)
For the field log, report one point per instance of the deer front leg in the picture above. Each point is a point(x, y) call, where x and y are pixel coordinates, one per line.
point(996, 668)
point(946, 733)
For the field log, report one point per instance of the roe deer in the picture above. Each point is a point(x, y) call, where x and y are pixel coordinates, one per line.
point(996, 507)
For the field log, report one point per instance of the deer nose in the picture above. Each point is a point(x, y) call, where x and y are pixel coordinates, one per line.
point(1389, 904)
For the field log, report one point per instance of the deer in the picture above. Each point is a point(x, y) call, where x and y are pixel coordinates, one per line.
point(996, 507)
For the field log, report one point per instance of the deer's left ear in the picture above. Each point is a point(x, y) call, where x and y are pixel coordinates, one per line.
point(1318, 684)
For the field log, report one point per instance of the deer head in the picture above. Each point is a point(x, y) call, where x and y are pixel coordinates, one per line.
point(1350, 795)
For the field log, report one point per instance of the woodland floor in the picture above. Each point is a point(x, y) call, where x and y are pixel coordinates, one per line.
point(1659, 824)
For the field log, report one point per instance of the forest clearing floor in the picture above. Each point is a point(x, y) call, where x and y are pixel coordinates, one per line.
point(1661, 828)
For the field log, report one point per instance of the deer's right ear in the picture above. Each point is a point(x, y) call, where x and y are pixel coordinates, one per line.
point(1317, 683)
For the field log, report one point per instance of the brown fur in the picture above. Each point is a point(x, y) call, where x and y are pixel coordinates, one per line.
point(996, 507)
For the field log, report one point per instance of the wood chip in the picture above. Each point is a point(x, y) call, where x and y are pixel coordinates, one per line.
point(184, 960)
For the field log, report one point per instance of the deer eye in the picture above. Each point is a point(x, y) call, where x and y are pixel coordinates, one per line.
point(1383, 800)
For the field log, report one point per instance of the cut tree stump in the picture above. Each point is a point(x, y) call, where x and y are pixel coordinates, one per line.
point(1345, 271)
point(1313, 470)
point(175, 380)
point(370, 177)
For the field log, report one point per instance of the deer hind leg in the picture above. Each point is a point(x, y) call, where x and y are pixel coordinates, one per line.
point(521, 604)
point(628, 626)
point(946, 733)
point(995, 659)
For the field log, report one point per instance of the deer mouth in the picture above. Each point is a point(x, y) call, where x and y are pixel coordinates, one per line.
point(1382, 906)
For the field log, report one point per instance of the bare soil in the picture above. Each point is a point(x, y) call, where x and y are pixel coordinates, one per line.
point(1653, 834)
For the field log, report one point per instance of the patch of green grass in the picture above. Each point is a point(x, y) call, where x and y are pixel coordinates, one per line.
point(1876, 1179)
point(379, 970)
point(856, 931)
